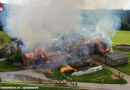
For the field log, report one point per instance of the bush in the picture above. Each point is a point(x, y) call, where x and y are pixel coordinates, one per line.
point(125, 26)
point(1, 28)
point(17, 57)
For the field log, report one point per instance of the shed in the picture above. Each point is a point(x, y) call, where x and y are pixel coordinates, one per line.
point(116, 58)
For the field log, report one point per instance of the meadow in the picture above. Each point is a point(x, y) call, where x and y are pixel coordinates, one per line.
point(122, 37)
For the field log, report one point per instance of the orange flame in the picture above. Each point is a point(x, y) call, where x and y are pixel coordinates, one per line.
point(87, 42)
point(67, 48)
point(48, 71)
point(30, 55)
point(48, 62)
point(105, 50)
point(74, 46)
point(37, 49)
point(43, 56)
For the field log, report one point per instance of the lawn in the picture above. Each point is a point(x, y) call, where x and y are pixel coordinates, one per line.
point(95, 77)
point(40, 87)
point(3, 37)
point(122, 37)
point(7, 67)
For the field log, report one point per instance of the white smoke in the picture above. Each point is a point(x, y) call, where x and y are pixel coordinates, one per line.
point(98, 4)
point(36, 22)
point(100, 24)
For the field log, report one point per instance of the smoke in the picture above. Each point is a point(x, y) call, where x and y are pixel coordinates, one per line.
point(38, 23)
point(106, 4)
point(100, 24)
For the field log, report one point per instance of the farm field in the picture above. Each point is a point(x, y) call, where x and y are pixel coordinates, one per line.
point(122, 37)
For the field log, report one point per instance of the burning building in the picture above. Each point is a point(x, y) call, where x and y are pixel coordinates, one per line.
point(76, 51)
point(57, 32)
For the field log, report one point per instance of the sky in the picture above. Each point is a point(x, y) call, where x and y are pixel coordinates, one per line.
point(89, 4)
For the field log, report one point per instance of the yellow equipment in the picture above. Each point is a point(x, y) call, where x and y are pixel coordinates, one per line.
point(67, 68)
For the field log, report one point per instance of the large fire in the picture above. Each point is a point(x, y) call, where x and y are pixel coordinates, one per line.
point(78, 49)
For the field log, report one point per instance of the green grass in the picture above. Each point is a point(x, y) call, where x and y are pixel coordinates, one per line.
point(3, 37)
point(95, 77)
point(7, 67)
point(122, 37)
point(40, 87)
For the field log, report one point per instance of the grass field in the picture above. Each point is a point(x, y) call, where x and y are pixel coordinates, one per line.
point(95, 77)
point(7, 67)
point(122, 37)
point(40, 87)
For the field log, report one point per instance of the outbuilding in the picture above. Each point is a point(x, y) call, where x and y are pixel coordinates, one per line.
point(116, 58)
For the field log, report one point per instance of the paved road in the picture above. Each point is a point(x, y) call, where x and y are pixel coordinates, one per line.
point(105, 86)
point(126, 77)
point(28, 72)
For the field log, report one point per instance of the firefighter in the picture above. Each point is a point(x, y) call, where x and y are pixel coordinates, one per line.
point(39, 79)
point(68, 78)
point(56, 83)
point(61, 83)
point(64, 83)
point(76, 83)
point(102, 81)
point(72, 83)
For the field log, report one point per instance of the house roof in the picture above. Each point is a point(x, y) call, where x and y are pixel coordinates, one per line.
point(116, 56)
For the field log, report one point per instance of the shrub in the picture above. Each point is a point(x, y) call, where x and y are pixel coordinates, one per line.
point(125, 26)
point(17, 57)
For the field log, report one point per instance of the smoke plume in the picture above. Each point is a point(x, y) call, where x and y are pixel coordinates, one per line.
point(39, 22)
